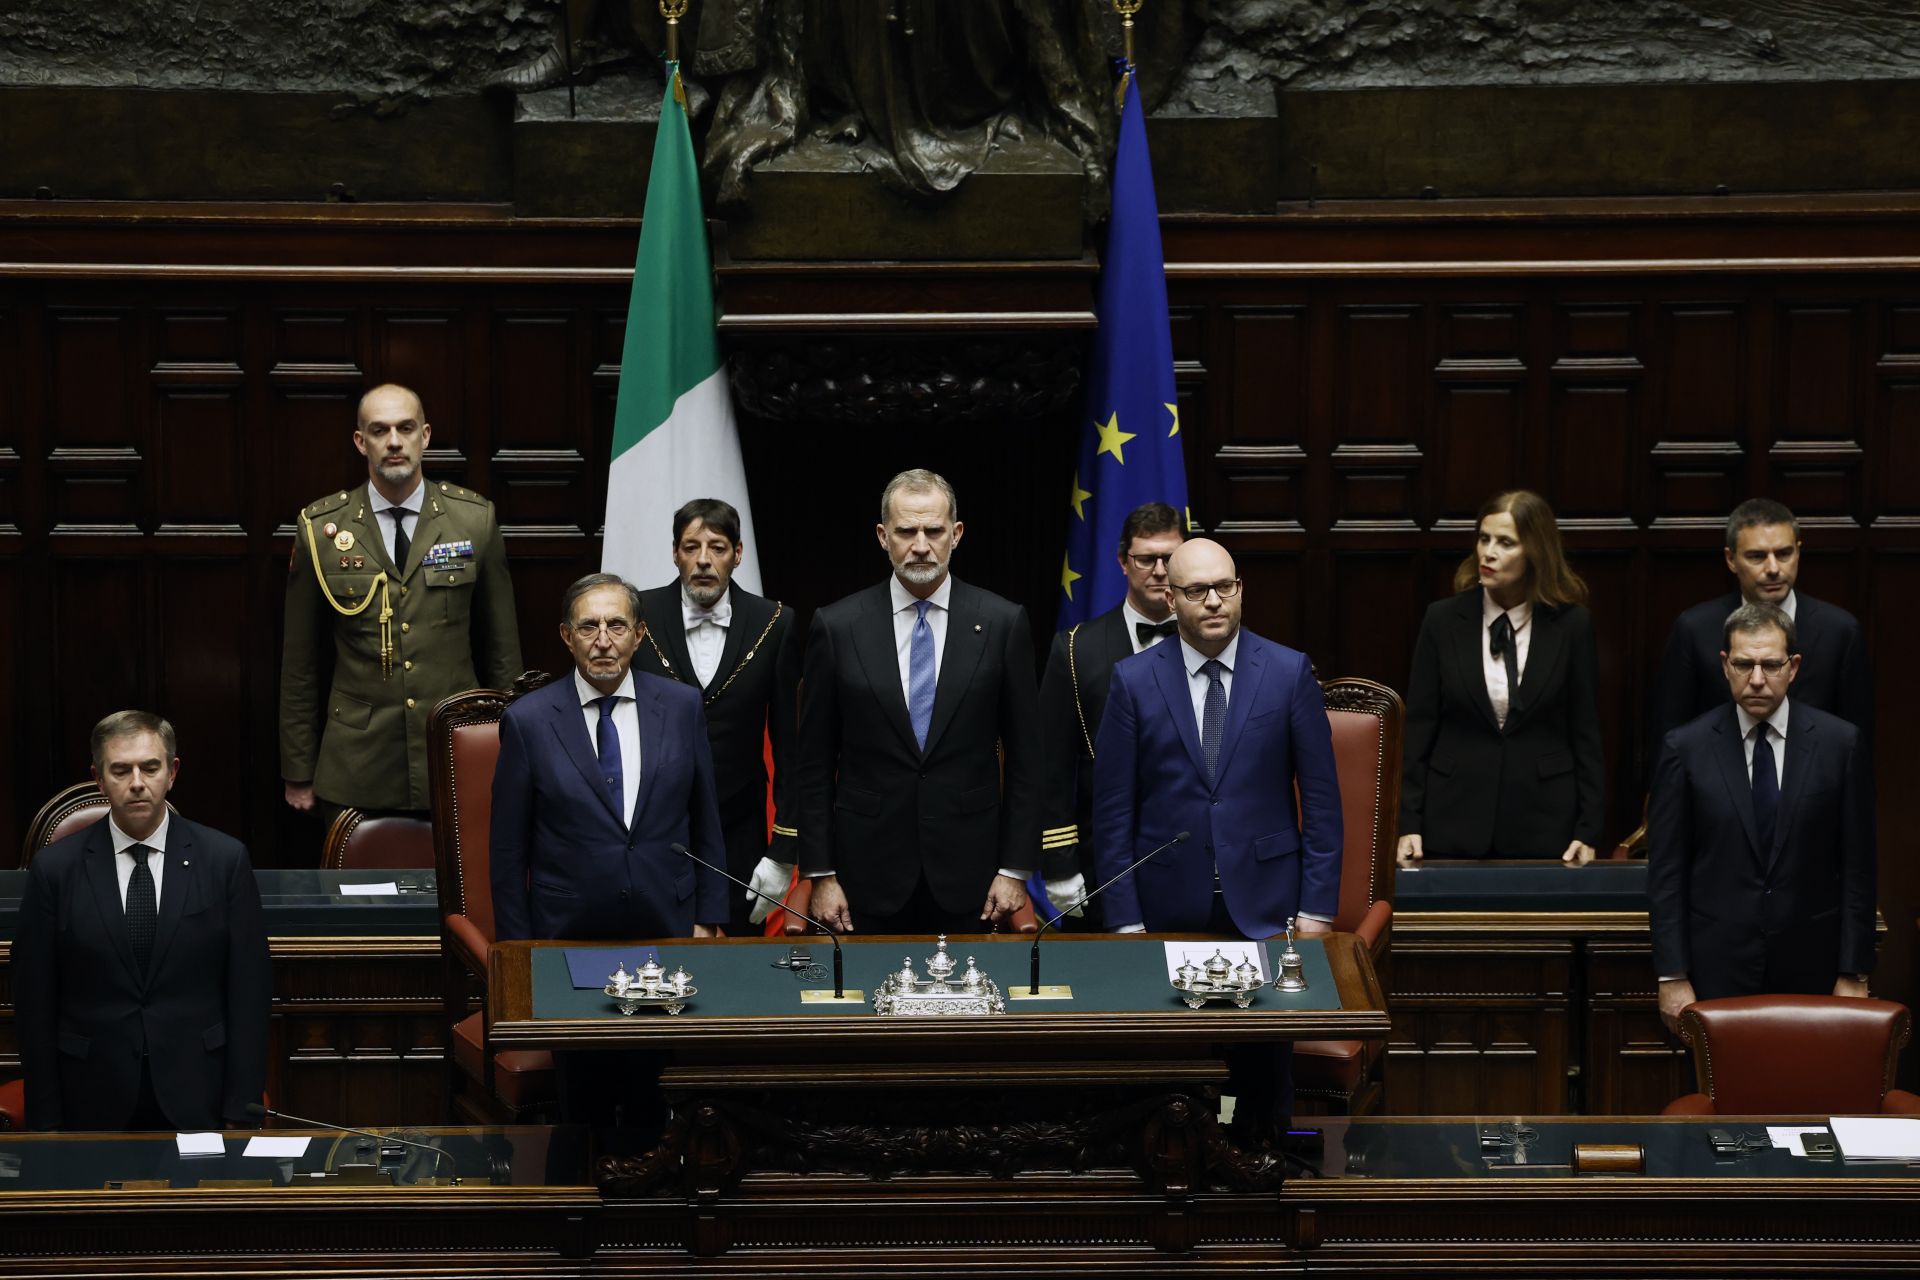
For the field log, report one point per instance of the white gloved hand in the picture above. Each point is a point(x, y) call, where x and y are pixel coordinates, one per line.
point(1065, 895)
point(1131, 928)
point(771, 878)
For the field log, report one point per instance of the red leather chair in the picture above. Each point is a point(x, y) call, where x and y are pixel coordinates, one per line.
point(356, 842)
point(463, 744)
point(1348, 1077)
point(73, 809)
point(1795, 1055)
point(13, 1104)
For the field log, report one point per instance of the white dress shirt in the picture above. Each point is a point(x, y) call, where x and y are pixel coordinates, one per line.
point(411, 505)
point(123, 861)
point(1776, 738)
point(706, 633)
point(905, 614)
point(1520, 618)
point(1135, 620)
point(1197, 681)
point(626, 722)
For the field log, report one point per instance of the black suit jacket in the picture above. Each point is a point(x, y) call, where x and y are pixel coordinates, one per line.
point(1834, 673)
point(1741, 920)
point(1073, 697)
point(749, 702)
point(200, 1011)
point(1470, 788)
point(877, 811)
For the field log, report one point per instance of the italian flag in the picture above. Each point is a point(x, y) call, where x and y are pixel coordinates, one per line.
point(673, 433)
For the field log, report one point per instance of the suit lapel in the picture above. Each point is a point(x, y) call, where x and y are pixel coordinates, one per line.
point(653, 742)
point(1469, 635)
point(425, 530)
point(1800, 748)
point(570, 727)
point(1170, 673)
point(179, 889)
point(1543, 655)
point(105, 881)
point(668, 622)
point(1733, 771)
point(1247, 676)
point(369, 539)
point(748, 618)
point(873, 646)
point(967, 640)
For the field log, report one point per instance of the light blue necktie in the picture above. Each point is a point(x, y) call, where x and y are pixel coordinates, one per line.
point(920, 675)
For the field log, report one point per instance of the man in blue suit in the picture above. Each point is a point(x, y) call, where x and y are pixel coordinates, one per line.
point(598, 776)
point(1209, 736)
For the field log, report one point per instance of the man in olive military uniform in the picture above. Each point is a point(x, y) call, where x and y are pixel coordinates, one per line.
point(403, 584)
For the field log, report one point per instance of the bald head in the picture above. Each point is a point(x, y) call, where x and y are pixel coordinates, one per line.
point(1209, 623)
point(392, 434)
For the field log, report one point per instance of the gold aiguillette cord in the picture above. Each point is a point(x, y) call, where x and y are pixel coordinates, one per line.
point(379, 583)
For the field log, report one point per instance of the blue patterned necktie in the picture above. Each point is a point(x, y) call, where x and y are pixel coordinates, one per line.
point(1766, 788)
point(1213, 718)
point(142, 907)
point(610, 767)
point(920, 675)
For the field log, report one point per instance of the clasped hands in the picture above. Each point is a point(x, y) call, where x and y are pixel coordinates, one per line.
point(1408, 853)
point(1005, 896)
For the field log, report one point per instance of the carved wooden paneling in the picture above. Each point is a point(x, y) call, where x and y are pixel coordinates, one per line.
point(1479, 1029)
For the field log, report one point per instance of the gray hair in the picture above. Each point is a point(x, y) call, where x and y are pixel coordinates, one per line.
point(593, 582)
point(1751, 618)
point(128, 724)
point(918, 480)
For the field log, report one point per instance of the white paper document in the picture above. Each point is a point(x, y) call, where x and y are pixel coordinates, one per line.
point(1876, 1137)
point(276, 1148)
point(1787, 1136)
point(201, 1144)
point(389, 889)
point(1198, 953)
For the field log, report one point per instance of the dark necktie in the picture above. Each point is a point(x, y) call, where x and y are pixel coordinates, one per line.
point(921, 675)
point(142, 907)
point(401, 543)
point(610, 767)
point(1151, 631)
point(1500, 644)
point(1213, 716)
point(1766, 788)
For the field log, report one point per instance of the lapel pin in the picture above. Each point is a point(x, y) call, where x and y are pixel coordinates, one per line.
point(976, 628)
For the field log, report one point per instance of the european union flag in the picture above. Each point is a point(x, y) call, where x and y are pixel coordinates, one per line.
point(1130, 452)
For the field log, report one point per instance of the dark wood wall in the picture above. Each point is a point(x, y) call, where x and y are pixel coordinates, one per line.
point(175, 382)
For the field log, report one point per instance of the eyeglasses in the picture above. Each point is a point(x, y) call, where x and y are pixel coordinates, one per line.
point(1772, 666)
point(1198, 591)
point(617, 629)
point(1146, 563)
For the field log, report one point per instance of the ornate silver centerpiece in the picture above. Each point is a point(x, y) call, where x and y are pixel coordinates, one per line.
point(906, 994)
point(1293, 969)
point(1218, 979)
point(650, 987)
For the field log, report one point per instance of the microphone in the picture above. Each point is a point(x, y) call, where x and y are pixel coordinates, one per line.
point(256, 1109)
point(1033, 961)
point(839, 986)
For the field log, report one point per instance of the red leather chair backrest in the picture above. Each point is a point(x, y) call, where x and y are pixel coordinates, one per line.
point(1367, 720)
point(1796, 1055)
point(355, 841)
point(463, 743)
point(73, 809)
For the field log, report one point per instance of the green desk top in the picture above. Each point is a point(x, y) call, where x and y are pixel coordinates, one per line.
point(1107, 976)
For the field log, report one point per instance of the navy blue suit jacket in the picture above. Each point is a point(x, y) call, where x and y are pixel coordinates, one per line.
point(1150, 785)
point(199, 1012)
point(563, 863)
point(1741, 920)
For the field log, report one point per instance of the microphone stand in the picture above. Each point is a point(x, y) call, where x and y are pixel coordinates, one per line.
point(1033, 960)
point(256, 1109)
point(839, 984)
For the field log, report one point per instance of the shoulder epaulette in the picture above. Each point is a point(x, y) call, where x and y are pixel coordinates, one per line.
point(455, 491)
point(332, 502)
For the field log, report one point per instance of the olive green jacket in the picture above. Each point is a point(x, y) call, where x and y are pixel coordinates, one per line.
point(358, 734)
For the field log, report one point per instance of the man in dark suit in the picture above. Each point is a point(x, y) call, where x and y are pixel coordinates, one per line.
point(737, 648)
point(908, 821)
point(1210, 736)
point(1763, 554)
point(140, 967)
point(599, 774)
point(1760, 837)
point(1073, 694)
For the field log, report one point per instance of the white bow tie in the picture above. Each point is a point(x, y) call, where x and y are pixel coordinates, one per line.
point(720, 615)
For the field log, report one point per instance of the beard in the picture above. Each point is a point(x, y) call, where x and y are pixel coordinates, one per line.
point(705, 595)
point(398, 472)
point(921, 572)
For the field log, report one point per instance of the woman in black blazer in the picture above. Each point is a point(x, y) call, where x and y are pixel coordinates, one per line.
point(1488, 774)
